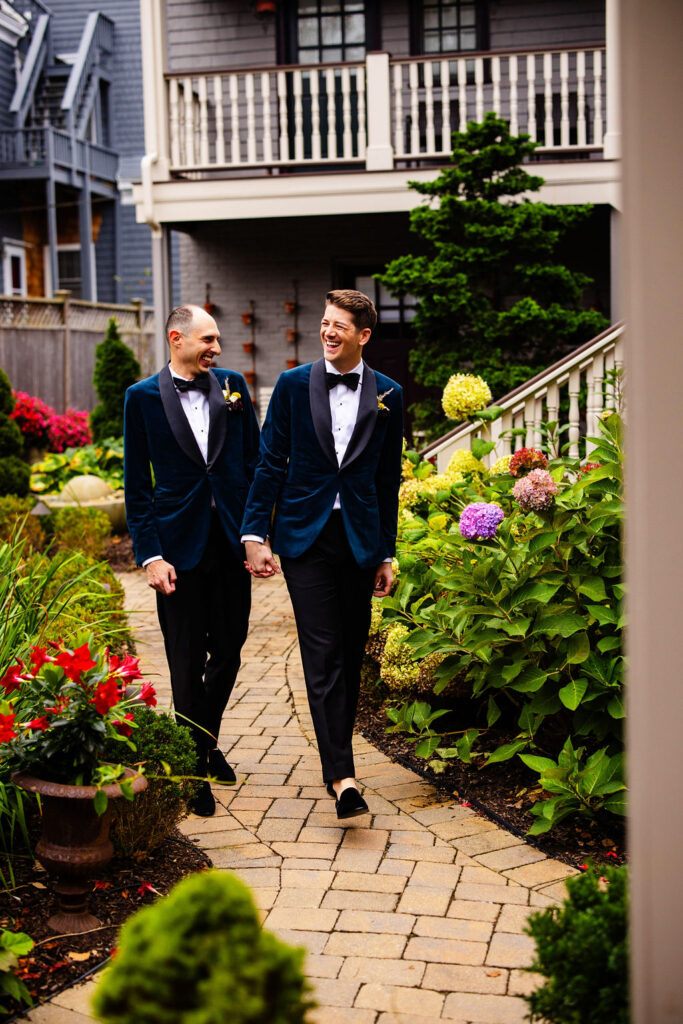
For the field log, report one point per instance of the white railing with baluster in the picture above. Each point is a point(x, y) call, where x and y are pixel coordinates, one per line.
point(319, 114)
point(540, 400)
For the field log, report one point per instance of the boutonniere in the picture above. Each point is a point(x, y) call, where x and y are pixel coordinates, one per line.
point(233, 399)
point(383, 411)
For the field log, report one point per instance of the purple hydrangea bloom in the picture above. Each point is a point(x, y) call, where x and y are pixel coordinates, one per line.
point(480, 520)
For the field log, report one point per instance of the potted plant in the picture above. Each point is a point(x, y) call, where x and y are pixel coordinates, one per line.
point(250, 377)
point(248, 347)
point(55, 717)
point(291, 363)
point(290, 306)
point(290, 334)
point(247, 318)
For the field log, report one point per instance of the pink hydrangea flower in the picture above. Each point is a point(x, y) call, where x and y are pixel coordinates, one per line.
point(536, 491)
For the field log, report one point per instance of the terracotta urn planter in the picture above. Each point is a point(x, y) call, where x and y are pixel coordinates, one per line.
point(250, 377)
point(291, 363)
point(290, 306)
point(210, 308)
point(247, 318)
point(290, 334)
point(74, 845)
point(248, 347)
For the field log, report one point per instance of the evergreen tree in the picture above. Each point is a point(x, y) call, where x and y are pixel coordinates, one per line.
point(15, 474)
point(116, 368)
point(492, 296)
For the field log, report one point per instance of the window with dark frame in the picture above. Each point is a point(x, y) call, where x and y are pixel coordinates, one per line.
point(330, 31)
point(449, 26)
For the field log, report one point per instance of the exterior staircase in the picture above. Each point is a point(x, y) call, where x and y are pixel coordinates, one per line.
point(572, 393)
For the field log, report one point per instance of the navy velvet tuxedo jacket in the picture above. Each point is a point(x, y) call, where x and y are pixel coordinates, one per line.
point(298, 474)
point(169, 513)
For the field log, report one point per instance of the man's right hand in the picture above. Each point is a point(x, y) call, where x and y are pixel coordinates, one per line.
point(260, 561)
point(161, 576)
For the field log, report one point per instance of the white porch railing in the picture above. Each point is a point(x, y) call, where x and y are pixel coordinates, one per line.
point(579, 383)
point(383, 111)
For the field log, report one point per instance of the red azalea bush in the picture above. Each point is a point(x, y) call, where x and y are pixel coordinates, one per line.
point(41, 426)
point(69, 430)
point(526, 459)
point(32, 416)
point(64, 706)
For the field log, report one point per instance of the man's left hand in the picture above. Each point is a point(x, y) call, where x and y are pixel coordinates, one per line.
point(384, 579)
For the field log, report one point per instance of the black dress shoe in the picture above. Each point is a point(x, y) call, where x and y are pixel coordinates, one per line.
point(203, 804)
point(330, 790)
point(350, 804)
point(218, 768)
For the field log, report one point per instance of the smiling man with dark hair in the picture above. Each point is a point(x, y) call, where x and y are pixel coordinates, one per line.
point(330, 465)
point(194, 427)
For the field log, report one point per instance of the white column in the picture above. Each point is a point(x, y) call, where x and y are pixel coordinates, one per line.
point(379, 155)
point(652, 43)
point(154, 47)
point(612, 143)
point(161, 272)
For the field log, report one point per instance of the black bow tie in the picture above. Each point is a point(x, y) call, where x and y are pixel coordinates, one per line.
point(201, 383)
point(350, 379)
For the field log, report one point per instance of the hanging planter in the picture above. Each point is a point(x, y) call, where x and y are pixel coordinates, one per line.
point(291, 335)
point(291, 363)
point(210, 308)
point(247, 318)
point(248, 347)
point(265, 7)
point(250, 377)
point(290, 306)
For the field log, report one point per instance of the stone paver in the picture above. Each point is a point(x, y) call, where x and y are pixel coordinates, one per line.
point(414, 913)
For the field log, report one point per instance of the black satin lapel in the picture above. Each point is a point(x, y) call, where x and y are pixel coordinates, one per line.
point(218, 420)
point(320, 410)
point(367, 416)
point(177, 420)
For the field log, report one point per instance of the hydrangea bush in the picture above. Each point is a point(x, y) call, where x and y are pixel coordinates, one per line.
point(517, 584)
point(464, 395)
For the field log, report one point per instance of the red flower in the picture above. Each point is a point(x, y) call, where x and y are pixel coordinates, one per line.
point(106, 696)
point(465, 803)
point(126, 668)
point(39, 657)
point(101, 885)
point(611, 854)
point(41, 723)
point(526, 459)
point(75, 662)
point(6, 728)
point(122, 727)
point(13, 679)
point(148, 695)
point(583, 867)
point(145, 888)
point(587, 467)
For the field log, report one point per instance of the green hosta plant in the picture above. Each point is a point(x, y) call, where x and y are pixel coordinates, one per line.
point(579, 787)
point(104, 460)
point(530, 611)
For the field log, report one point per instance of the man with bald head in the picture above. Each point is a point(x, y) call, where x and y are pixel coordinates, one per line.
point(190, 446)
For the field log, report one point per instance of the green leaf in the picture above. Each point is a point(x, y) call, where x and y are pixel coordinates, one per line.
point(571, 695)
point(609, 643)
point(18, 942)
point(538, 764)
point(492, 712)
point(565, 624)
point(604, 615)
point(529, 681)
point(490, 414)
point(480, 448)
point(100, 801)
point(578, 648)
point(616, 804)
point(517, 627)
point(594, 588)
point(507, 750)
point(615, 707)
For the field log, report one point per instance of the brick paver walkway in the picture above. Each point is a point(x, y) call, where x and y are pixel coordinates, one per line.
point(411, 914)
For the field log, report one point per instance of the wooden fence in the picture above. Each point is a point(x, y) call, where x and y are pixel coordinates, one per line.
point(47, 346)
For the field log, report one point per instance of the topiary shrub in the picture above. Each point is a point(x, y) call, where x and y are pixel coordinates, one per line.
point(200, 956)
point(82, 529)
point(581, 948)
point(116, 368)
point(142, 826)
point(16, 522)
point(15, 475)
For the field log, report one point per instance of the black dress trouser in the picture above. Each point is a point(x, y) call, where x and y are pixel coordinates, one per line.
point(204, 623)
point(331, 597)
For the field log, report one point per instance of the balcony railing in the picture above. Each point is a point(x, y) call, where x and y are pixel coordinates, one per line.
point(384, 112)
point(49, 147)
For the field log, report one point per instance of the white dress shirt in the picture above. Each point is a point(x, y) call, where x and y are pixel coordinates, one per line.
point(196, 407)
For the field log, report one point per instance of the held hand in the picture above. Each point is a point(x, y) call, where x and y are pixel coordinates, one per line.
point(384, 579)
point(161, 576)
point(260, 561)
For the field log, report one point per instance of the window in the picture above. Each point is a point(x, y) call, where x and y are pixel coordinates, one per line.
point(329, 31)
point(451, 26)
point(69, 270)
point(390, 310)
point(14, 268)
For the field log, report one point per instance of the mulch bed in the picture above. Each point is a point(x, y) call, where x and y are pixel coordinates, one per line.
point(119, 553)
point(59, 961)
point(502, 792)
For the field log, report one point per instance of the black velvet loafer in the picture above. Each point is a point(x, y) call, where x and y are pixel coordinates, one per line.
point(330, 790)
point(204, 804)
point(218, 768)
point(350, 804)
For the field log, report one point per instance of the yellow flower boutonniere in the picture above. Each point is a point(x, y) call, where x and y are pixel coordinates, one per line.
point(383, 411)
point(233, 399)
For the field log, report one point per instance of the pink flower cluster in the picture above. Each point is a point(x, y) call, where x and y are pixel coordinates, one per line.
point(40, 425)
point(536, 491)
point(69, 430)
